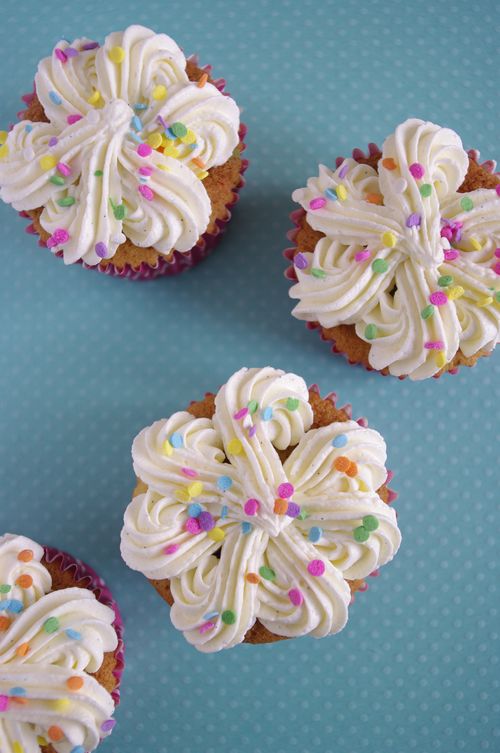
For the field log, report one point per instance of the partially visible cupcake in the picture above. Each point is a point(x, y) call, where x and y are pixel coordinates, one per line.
point(396, 254)
point(61, 651)
point(259, 511)
point(128, 158)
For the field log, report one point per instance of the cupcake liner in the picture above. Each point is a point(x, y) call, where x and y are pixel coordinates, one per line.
point(297, 217)
point(86, 577)
point(178, 262)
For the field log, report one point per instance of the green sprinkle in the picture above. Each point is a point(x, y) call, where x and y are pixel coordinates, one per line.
point(120, 212)
point(425, 190)
point(98, 173)
point(427, 312)
point(445, 280)
point(178, 129)
point(379, 266)
point(68, 201)
point(253, 406)
point(51, 625)
point(292, 403)
point(5, 588)
point(57, 180)
point(320, 273)
point(267, 573)
point(497, 296)
point(228, 617)
point(371, 331)
point(466, 203)
point(370, 522)
point(361, 534)
point(303, 514)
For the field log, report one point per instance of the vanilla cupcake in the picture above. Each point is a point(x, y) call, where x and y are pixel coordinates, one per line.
point(259, 511)
point(396, 256)
point(128, 158)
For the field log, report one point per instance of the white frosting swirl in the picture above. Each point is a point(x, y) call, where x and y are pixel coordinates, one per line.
point(102, 113)
point(54, 641)
point(393, 240)
point(242, 535)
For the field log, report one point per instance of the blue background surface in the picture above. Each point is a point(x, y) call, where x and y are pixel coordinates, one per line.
point(87, 361)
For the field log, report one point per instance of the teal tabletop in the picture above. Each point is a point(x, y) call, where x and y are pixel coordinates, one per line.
point(88, 360)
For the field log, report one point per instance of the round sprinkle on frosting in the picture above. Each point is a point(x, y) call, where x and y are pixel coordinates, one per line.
point(417, 170)
point(116, 55)
point(295, 596)
point(466, 203)
point(267, 573)
point(339, 441)
point(438, 298)
point(51, 625)
point(285, 490)
point(316, 568)
point(251, 507)
point(228, 617)
point(380, 266)
point(315, 533)
point(371, 331)
point(318, 203)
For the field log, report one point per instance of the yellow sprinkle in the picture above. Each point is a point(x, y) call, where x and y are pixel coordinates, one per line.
point(4, 151)
point(116, 55)
point(341, 192)
point(159, 92)
point(440, 359)
point(216, 534)
point(475, 244)
point(485, 301)
point(388, 239)
point(61, 704)
point(171, 151)
point(182, 495)
point(47, 162)
point(455, 292)
point(162, 167)
point(94, 97)
point(189, 138)
point(167, 448)
point(3, 137)
point(154, 139)
point(41, 741)
point(362, 486)
point(234, 446)
point(202, 175)
point(17, 747)
point(195, 489)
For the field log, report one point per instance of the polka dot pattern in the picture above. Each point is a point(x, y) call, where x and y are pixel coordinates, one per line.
point(88, 361)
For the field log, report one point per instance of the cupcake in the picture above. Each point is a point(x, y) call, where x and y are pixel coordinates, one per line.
point(128, 157)
point(61, 651)
point(259, 511)
point(396, 256)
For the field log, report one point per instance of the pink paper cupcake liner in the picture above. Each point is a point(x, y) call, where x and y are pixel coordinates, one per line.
point(289, 253)
point(179, 262)
point(86, 577)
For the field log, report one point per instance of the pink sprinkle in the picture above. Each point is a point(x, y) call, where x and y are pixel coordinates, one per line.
point(496, 268)
point(73, 118)
point(251, 506)
point(171, 548)
point(240, 414)
point(206, 627)
point(362, 255)
point(451, 254)
point(192, 526)
point(146, 170)
point(285, 491)
point(59, 236)
point(375, 573)
point(50, 242)
point(317, 203)
point(316, 567)
point(64, 169)
point(434, 345)
point(60, 55)
point(189, 472)
point(438, 298)
point(4, 702)
point(446, 232)
point(146, 192)
point(417, 170)
point(144, 150)
point(497, 189)
point(295, 597)
point(252, 431)
point(497, 253)
point(363, 587)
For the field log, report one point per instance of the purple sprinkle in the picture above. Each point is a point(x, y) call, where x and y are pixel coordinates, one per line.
point(414, 220)
point(108, 725)
point(160, 120)
point(252, 431)
point(206, 521)
point(70, 52)
point(53, 141)
point(293, 510)
point(60, 55)
point(90, 46)
point(300, 261)
point(344, 170)
point(101, 249)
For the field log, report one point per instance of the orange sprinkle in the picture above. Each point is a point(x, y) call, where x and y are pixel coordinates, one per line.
point(352, 470)
point(198, 162)
point(202, 80)
point(389, 163)
point(341, 464)
point(5, 623)
point(25, 556)
point(375, 198)
point(252, 578)
point(280, 506)
point(24, 581)
point(74, 683)
point(23, 649)
point(55, 733)
point(19, 700)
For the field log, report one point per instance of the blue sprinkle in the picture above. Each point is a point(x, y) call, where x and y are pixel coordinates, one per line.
point(224, 511)
point(315, 533)
point(136, 123)
point(224, 483)
point(143, 180)
point(140, 106)
point(191, 147)
point(135, 137)
point(78, 749)
point(246, 527)
point(18, 692)
point(210, 615)
point(5, 605)
point(340, 441)
point(267, 414)
point(170, 134)
point(194, 509)
point(56, 99)
point(28, 128)
point(331, 194)
point(15, 606)
point(74, 635)
point(176, 440)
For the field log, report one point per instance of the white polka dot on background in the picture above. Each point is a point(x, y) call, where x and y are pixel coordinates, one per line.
point(87, 361)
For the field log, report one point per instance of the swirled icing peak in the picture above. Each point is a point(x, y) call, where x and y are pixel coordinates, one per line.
point(128, 144)
point(50, 643)
point(405, 257)
point(243, 535)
